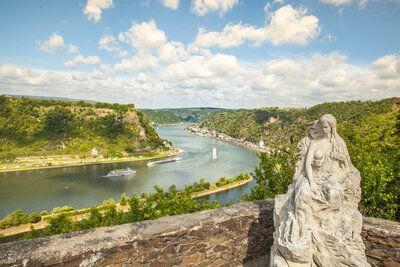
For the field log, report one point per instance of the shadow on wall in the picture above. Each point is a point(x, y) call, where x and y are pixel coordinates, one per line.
point(260, 238)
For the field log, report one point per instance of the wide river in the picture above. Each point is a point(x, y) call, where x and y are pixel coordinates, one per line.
point(85, 186)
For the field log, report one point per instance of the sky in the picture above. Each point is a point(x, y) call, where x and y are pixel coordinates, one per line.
point(201, 53)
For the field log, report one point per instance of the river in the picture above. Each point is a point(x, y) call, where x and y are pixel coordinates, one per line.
point(84, 186)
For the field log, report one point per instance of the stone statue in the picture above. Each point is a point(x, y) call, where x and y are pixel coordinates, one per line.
point(317, 222)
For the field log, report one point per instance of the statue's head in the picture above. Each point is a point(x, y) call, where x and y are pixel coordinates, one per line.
point(326, 125)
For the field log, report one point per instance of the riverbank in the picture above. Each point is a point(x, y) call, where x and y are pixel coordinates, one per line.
point(10, 233)
point(205, 132)
point(221, 189)
point(62, 161)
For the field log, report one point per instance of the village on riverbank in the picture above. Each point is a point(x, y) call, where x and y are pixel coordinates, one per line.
point(259, 147)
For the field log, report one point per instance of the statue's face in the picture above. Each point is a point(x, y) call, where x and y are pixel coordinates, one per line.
point(325, 127)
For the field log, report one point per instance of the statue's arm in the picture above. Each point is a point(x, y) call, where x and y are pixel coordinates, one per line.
point(308, 165)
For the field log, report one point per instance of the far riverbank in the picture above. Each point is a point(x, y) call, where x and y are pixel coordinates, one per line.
point(205, 132)
point(62, 161)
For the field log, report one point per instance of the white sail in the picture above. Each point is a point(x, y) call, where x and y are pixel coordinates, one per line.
point(214, 153)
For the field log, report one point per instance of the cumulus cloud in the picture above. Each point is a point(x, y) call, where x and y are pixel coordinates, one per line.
point(387, 67)
point(220, 80)
point(54, 43)
point(137, 63)
point(94, 8)
point(218, 65)
point(202, 7)
point(109, 44)
point(172, 4)
point(79, 59)
point(142, 77)
point(143, 36)
point(172, 52)
point(336, 2)
point(72, 49)
point(286, 25)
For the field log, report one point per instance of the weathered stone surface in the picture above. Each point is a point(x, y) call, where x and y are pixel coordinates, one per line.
point(239, 235)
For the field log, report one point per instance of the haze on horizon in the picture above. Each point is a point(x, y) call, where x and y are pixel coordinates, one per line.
point(200, 53)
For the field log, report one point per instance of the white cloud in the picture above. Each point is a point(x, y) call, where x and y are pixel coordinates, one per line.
point(218, 65)
point(107, 68)
point(202, 7)
point(144, 36)
point(72, 49)
point(286, 25)
point(54, 43)
point(144, 62)
point(94, 8)
point(172, 52)
point(220, 80)
point(109, 44)
point(142, 77)
point(172, 4)
point(387, 67)
point(336, 2)
point(79, 59)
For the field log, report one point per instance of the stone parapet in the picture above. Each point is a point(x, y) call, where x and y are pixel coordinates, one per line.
point(238, 235)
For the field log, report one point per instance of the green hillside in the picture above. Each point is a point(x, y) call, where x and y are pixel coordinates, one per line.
point(281, 127)
point(177, 115)
point(33, 127)
point(371, 130)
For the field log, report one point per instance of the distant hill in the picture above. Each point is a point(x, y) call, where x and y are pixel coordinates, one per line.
point(53, 98)
point(176, 115)
point(45, 127)
point(280, 127)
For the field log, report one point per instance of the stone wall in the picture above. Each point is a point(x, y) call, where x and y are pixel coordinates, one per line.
point(239, 235)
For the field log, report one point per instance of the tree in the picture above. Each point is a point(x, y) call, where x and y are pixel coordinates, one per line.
point(273, 175)
point(59, 122)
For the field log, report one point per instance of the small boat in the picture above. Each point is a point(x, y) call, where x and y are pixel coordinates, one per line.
point(121, 172)
point(163, 161)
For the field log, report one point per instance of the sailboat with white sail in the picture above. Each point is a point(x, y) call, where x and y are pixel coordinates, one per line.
point(214, 154)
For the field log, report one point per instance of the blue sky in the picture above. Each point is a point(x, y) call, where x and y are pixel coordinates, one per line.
point(222, 53)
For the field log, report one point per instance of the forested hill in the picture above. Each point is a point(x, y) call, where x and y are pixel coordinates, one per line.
point(370, 129)
point(45, 127)
point(177, 115)
point(280, 127)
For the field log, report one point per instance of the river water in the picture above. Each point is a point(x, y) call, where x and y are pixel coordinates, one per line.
point(84, 186)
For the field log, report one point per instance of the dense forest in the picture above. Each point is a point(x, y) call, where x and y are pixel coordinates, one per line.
point(30, 127)
point(371, 130)
point(177, 115)
point(281, 127)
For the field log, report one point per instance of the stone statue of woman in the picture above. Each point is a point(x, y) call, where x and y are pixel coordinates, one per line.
point(317, 222)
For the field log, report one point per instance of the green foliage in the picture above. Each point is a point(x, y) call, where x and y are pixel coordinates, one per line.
point(58, 122)
point(57, 210)
point(18, 217)
point(170, 116)
point(123, 200)
point(158, 116)
point(374, 147)
point(373, 141)
point(154, 206)
point(37, 127)
point(280, 128)
point(273, 175)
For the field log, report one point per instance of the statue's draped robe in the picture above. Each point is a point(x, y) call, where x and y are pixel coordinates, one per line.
point(321, 227)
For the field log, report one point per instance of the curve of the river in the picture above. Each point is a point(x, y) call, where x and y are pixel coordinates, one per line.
point(85, 186)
